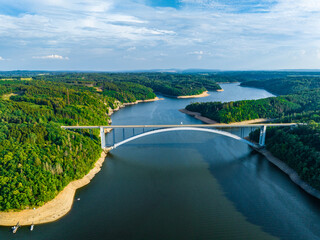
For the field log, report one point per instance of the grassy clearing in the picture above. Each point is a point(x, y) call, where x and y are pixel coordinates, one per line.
point(7, 96)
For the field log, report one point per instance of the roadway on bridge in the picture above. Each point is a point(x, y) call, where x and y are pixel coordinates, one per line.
point(186, 125)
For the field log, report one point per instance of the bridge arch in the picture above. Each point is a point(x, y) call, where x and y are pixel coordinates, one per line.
point(223, 133)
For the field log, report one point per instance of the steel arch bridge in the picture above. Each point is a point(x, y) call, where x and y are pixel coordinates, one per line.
point(128, 133)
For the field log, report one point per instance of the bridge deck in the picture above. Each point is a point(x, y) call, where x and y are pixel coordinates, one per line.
point(185, 125)
point(152, 129)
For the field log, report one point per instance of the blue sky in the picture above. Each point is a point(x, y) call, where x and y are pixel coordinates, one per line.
point(114, 35)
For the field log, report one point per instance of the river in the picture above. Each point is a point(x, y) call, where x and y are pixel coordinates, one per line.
point(185, 185)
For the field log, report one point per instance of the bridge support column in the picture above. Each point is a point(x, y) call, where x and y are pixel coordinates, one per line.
point(103, 138)
point(263, 131)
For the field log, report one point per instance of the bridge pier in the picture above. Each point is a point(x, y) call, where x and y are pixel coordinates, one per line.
point(262, 139)
point(103, 137)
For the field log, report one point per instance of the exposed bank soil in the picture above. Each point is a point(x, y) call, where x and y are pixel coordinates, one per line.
point(122, 105)
point(54, 209)
point(62, 203)
point(290, 172)
point(277, 162)
point(198, 116)
point(210, 121)
point(7, 96)
point(204, 94)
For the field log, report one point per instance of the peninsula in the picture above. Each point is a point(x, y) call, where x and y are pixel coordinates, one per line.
point(52, 163)
point(296, 147)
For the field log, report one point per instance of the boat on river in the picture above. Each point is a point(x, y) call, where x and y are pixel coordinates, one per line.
point(15, 228)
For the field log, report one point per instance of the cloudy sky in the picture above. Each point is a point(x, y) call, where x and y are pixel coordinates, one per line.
point(109, 35)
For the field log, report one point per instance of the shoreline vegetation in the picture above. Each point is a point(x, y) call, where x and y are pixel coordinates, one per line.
point(210, 121)
point(59, 206)
point(204, 94)
point(293, 175)
point(111, 111)
point(35, 146)
point(48, 158)
point(201, 95)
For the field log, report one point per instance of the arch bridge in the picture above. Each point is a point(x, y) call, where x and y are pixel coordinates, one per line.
point(122, 134)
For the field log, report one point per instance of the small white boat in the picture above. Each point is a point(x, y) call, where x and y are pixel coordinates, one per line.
point(78, 199)
point(31, 227)
point(15, 228)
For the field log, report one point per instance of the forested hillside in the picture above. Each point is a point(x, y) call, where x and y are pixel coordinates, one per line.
point(298, 147)
point(288, 85)
point(165, 83)
point(273, 107)
point(37, 158)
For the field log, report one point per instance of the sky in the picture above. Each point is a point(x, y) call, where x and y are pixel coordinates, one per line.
point(116, 35)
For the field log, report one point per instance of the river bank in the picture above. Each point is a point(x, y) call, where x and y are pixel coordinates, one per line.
point(54, 209)
point(198, 116)
point(201, 95)
point(293, 175)
point(210, 121)
point(62, 203)
point(277, 162)
point(122, 105)
point(204, 94)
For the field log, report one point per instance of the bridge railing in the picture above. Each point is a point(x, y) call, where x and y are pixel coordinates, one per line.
point(119, 133)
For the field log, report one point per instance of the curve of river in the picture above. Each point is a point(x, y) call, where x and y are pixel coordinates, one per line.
point(185, 185)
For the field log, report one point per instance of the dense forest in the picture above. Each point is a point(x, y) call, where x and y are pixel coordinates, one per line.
point(288, 85)
point(37, 158)
point(273, 107)
point(165, 83)
point(244, 76)
point(299, 147)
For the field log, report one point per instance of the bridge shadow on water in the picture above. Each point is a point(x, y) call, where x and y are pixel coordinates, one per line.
point(253, 185)
point(257, 189)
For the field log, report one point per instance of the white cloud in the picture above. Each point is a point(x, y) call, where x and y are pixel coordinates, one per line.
point(199, 54)
point(53, 56)
point(134, 58)
point(298, 6)
point(1, 58)
point(106, 31)
point(196, 53)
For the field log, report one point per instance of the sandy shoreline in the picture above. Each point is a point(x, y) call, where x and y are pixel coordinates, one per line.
point(111, 111)
point(54, 209)
point(198, 116)
point(277, 162)
point(62, 203)
point(204, 94)
point(290, 172)
point(210, 121)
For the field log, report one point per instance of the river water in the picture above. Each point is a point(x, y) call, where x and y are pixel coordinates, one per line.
point(185, 185)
